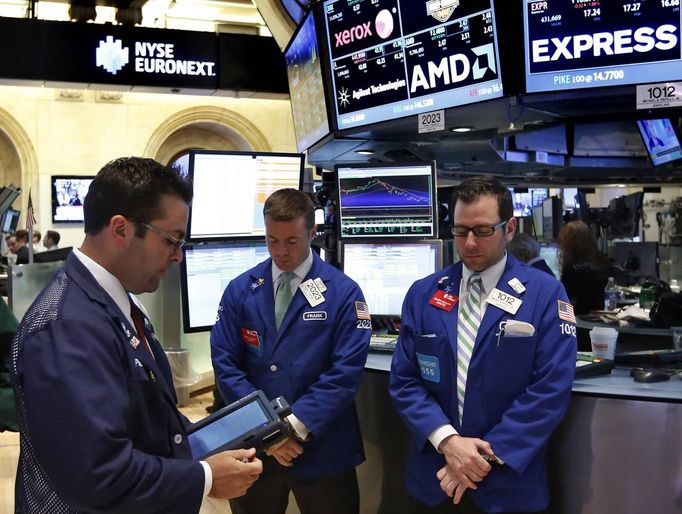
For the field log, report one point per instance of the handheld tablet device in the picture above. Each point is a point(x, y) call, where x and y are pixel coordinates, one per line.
point(252, 422)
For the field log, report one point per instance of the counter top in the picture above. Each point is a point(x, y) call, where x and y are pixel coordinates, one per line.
point(628, 329)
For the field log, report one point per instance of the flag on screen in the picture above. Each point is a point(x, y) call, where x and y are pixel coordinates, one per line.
point(30, 214)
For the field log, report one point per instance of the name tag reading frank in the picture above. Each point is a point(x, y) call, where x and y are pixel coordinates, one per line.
point(504, 301)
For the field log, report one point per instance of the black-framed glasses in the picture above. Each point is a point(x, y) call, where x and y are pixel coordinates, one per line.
point(478, 230)
point(173, 241)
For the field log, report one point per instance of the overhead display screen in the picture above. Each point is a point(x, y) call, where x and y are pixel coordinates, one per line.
point(394, 58)
point(574, 44)
point(306, 87)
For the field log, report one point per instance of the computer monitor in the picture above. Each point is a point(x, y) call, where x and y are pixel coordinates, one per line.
point(551, 218)
point(637, 261)
point(10, 220)
point(7, 196)
point(68, 194)
point(550, 254)
point(660, 140)
point(387, 201)
point(386, 270)
point(230, 189)
point(60, 254)
point(625, 213)
point(537, 222)
point(205, 272)
point(525, 199)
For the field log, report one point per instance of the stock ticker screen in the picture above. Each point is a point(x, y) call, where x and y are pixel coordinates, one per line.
point(394, 58)
point(594, 43)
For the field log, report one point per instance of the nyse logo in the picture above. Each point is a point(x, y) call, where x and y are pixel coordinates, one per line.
point(111, 55)
point(620, 42)
point(453, 69)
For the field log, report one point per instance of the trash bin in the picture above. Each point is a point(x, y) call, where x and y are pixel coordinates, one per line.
point(184, 377)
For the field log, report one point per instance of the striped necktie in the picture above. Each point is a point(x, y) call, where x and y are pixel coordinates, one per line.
point(283, 297)
point(467, 327)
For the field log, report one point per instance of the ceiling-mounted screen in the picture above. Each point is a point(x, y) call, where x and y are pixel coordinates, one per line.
point(394, 58)
point(68, 194)
point(387, 201)
point(306, 86)
point(660, 140)
point(230, 189)
point(574, 44)
point(527, 198)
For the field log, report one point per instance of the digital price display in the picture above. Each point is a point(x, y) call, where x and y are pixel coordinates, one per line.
point(394, 58)
point(573, 44)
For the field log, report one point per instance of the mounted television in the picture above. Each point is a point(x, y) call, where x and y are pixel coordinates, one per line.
point(306, 85)
point(660, 140)
point(205, 272)
point(585, 44)
point(395, 58)
point(386, 270)
point(625, 213)
point(10, 220)
point(525, 199)
point(230, 189)
point(68, 193)
point(387, 201)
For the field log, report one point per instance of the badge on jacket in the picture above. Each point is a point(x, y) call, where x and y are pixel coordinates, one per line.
point(252, 340)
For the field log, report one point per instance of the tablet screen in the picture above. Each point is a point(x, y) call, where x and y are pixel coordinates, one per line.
point(227, 428)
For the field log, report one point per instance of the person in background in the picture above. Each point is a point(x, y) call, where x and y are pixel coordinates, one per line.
point(583, 273)
point(483, 369)
point(294, 326)
point(526, 249)
point(100, 430)
point(17, 243)
point(37, 236)
point(51, 240)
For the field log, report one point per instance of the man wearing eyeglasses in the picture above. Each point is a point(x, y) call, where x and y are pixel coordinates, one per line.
point(95, 399)
point(483, 370)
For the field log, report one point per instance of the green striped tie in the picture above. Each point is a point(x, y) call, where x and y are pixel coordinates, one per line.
point(467, 327)
point(283, 297)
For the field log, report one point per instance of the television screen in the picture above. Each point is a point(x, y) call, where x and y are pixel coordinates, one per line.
point(206, 270)
point(660, 140)
point(394, 58)
point(625, 213)
point(306, 86)
point(387, 201)
point(68, 193)
point(583, 44)
point(526, 200)
point(386, 270)
point(230, 189)
point(10, 220)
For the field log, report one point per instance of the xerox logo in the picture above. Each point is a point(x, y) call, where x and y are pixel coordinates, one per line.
point(111, 55)
point(453, 69)
point(383, 24)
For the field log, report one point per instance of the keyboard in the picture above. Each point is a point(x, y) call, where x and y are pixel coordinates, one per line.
point(383, 342)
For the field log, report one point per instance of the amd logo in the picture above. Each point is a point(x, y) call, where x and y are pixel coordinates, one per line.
point(620, 42)
point(349, 35)
point(453, 69)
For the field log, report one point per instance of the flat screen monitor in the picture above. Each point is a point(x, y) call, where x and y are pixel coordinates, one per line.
point(625, 213)
point(60, 254)
point(205, 272)
point(637, 261)
point(10, 220)
point(574, 44)
point(230, 189)
point(68, 194)
point(537, 222)
point(387, 201)
point(394, 58)
point(7, 196)
point(551, 218)
point(306, 86)
point(660, 140)
point(526, 199)
point(386, 270)
point(550, 254)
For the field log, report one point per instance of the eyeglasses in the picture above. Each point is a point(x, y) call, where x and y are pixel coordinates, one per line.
point(173, 241)
point(479, 230)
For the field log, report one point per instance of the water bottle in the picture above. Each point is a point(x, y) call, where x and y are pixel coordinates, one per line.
point(610, 295)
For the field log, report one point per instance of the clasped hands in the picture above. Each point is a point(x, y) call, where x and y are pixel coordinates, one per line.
point(285, 451)
point(465, 466)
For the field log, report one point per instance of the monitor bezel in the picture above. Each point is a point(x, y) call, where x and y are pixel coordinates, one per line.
point(665, 164)
point(53, 192)
point(16, 215)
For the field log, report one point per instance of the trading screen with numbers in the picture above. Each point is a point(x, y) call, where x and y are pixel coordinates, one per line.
point(573, 44)
point(394, 58)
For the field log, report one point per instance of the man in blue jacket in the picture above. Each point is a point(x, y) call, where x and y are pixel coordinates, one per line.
point(483, 370)
point(296, 327)
point(95, 401)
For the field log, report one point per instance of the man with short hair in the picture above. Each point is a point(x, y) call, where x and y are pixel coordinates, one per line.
point(100, 431)
point(527, 250)
point(483, 370)
point(51, 240)
point(296, 327)
point(18, 246)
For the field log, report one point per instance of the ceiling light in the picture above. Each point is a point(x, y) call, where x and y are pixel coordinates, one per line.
point(462, 129)
point(364, 152)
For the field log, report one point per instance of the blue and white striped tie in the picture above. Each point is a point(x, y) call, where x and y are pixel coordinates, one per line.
point(467, 327)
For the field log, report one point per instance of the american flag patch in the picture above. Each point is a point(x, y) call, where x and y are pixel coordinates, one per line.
point(566, 311)
point(362, 311)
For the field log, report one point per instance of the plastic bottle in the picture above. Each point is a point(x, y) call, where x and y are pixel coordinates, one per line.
point(610, 295)
point(674, 286)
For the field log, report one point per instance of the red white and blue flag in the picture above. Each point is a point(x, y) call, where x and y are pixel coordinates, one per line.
point(566, 311)
point(30, 214)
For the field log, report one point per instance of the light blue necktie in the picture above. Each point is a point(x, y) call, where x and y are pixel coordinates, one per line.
point(283, 296)
point(467, 327)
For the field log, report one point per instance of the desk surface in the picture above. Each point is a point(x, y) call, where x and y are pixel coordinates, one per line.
point(619, 384)
point(628, 329)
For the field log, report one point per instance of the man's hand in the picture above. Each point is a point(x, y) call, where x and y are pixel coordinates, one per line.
point(234, 471)
point(464, 465)
point(285, 451)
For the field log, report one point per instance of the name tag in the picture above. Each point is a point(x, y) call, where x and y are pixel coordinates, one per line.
point(504, 301)
point(311, 292)
point(429, 367)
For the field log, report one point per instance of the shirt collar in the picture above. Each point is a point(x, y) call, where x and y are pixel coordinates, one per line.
point(300, 272)
point(489, 277)
point(111, 285)
point(534, 260)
